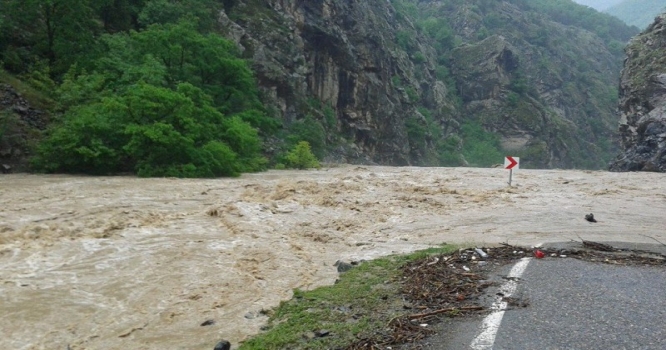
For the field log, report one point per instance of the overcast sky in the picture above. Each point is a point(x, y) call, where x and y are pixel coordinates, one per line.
point(598, 4)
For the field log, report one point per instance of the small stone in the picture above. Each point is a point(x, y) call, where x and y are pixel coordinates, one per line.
point(250, 316)
point(590, 217)
point(343, 266)
point(343, 309)
point(208, 322)
point(222, 345)
point(322, 333)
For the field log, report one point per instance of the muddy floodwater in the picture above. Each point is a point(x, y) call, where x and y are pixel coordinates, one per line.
point(129, 263)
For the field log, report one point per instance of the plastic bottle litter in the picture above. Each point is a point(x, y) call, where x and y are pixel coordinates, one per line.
point(481, 253)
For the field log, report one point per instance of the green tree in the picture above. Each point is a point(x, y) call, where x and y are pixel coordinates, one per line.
point(60, 31)
point(166, 55)
point(118, 15)
point(202, 12)
point(154, 131)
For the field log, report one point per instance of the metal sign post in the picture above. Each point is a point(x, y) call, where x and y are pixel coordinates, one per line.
point(511, 163)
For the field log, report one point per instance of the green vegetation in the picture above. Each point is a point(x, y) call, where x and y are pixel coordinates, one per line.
point(404, 39)
point(449, 151)
point(141, 87)
point(480, 148)
point(301, 157)
point(371, 290)
point(310, 130)
point(6, 122)
point(36, 98)
point(150, 87)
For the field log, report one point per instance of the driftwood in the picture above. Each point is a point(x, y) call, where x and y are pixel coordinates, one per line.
point(441, 311)
point(598, 246)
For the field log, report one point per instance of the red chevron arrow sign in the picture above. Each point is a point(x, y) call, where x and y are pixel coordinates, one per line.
point(511, 162)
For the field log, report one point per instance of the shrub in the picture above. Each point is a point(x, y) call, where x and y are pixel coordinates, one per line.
point(404, 39)
point(418, 57)
point(308, 129)
point(480, 147)
point(301, 157)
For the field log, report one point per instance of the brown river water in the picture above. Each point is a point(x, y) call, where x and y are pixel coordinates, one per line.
point(129, 263)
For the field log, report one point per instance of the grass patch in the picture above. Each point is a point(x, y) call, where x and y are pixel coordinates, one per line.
point(361, 303)
point(36, 98)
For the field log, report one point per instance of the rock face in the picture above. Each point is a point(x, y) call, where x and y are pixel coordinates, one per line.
point(541, 86)
point(371, 75)
point(342, 55)
point(18, 120)
point(643, 102)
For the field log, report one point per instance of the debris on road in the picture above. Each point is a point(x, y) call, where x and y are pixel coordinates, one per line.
point(590, 217)
point(450, 285)
point(598, 246)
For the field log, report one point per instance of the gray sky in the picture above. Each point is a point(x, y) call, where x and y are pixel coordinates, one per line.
point(598, 4)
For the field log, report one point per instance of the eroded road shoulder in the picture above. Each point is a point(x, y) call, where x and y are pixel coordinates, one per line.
point(567, 303)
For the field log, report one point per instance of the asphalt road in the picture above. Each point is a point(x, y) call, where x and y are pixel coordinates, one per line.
point(565, 303)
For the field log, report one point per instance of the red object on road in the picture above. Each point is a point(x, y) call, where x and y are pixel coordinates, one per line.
point(539, 254)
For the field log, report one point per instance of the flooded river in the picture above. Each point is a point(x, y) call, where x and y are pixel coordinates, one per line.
point(129, 263)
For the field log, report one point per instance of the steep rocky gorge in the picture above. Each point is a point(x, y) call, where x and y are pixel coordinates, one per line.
point(643, 102)
point(342, 54)
point(407, 82)
point(545, 88)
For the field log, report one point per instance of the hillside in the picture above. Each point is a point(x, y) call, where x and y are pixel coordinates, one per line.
point(639, 13)
point(643, 102)
point(553, 102)
point(403, 82)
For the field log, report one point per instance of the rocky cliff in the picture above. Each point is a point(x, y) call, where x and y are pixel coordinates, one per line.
point(547, 89)
point(425, 82)
point(369, 73)
point(19, 125)
point(643, 102)
point(342, 55)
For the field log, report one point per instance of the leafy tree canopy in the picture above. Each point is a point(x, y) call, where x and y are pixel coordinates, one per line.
point(164, 101)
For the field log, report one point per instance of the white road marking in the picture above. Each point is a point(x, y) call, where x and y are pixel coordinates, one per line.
point(486, 339)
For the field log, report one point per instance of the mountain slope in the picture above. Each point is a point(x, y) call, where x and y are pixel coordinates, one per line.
point(639, 13)
point(643, 102)
point(399, 82)
point(417, 82)
point(555, 105)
